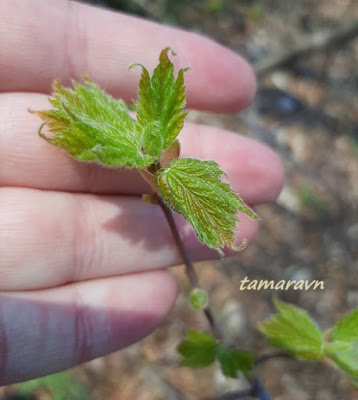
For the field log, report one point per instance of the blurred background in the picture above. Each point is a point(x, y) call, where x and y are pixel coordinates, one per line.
point(305, 54)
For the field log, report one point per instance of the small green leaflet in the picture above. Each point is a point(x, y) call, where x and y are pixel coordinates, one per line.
point(345, 356)
point(343, 348)
point(92, 126)
point(234, 361)
point(161, 100)
point(346, 329)
point(194, 189)
point(198, 349)
point(293, 331)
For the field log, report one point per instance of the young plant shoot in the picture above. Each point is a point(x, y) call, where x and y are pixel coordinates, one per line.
point(93, 126)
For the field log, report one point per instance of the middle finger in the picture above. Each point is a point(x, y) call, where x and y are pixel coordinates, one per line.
point(27, 160)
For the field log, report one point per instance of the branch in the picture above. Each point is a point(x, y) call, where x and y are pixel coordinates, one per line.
point(266, 357)
point(318, 42)
point(190, 271)
point(257, 389)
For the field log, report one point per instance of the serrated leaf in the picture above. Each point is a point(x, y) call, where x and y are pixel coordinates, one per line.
point(152, 141)
point(343, 348)
point(92, 126)
point(346, 329)
point(194, 189)
point(293, 331)
point(345, 356)
point(161, 99)
point(233, 361)
point(198, 349)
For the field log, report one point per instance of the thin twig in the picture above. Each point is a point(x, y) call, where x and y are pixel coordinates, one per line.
point(188, 264)
point(190, 271)
point(215, 328)
point(267, 357)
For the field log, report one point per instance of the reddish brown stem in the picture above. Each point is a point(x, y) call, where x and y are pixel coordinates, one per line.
point(190, 271)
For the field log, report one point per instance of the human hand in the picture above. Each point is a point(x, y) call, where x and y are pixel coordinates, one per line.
point(82, 257)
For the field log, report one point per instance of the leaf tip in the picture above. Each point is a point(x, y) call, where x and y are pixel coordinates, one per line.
point(240, 247)
point(56, 85)
point(135, 65)
point(35, 112)
point(44, 117)
point(167, 50)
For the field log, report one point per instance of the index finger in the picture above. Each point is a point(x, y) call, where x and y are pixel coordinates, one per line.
point(43, 40)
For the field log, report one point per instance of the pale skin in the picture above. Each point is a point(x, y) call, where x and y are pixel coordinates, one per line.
point(82, 257)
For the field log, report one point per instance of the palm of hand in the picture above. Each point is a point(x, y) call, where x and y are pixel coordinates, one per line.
point(82, 256)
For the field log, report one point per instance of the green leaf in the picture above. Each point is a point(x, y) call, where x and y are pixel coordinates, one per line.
point(152, 141)
point(199, 299)
point(343, 348)
point(161, 99)
point(194, 189)
point(233, 361)
point(346, 328)
point(198, 349)
point(92, 126)
point(345, 356)
point(293, 331)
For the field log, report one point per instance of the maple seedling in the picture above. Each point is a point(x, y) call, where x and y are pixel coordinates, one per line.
point(92, 126)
